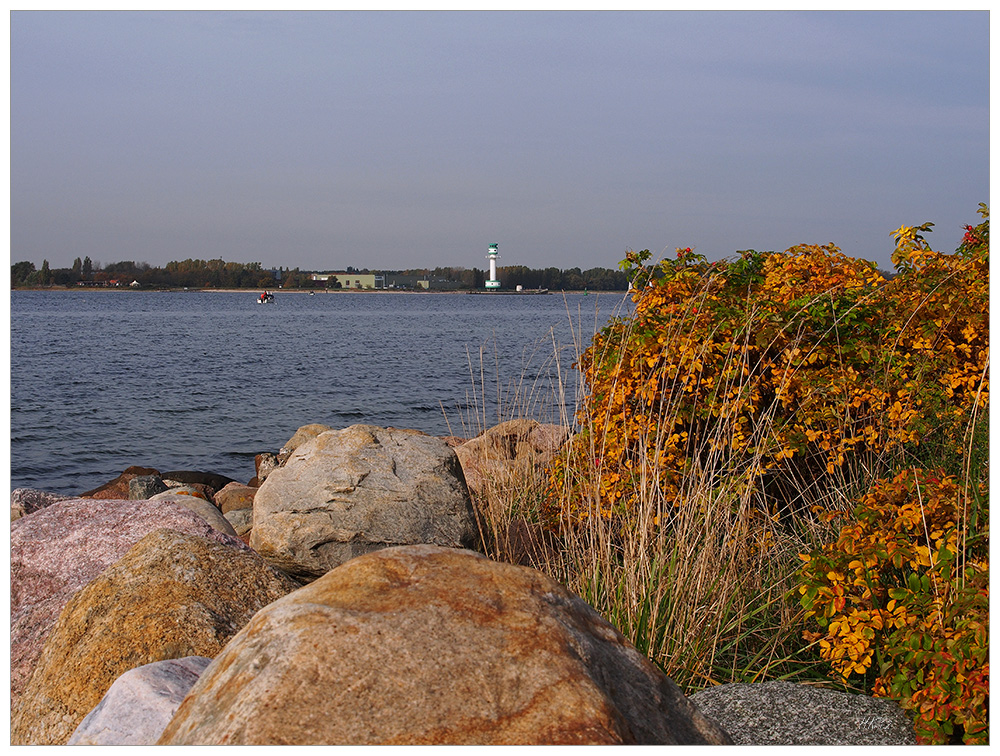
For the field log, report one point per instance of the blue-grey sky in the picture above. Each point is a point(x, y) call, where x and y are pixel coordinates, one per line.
point(402, 140)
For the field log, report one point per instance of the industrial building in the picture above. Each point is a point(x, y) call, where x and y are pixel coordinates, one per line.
point(373, 281)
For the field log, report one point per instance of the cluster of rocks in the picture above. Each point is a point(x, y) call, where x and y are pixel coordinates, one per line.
point(340, 597)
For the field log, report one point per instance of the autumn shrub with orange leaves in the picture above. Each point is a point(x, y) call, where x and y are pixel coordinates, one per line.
point(902, 595)
point(794, 381)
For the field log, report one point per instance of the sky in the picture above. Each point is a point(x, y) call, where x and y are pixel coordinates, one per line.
point(396, 140)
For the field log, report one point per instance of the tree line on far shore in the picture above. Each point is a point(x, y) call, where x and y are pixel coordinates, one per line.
point(219, 274)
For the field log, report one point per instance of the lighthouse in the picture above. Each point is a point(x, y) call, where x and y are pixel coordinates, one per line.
point(493, 282)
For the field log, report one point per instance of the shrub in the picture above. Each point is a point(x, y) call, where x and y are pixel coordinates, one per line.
point(778, 368)
point(746, 406)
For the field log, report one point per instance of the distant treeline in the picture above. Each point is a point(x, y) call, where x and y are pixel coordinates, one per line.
point(219, 274)
point(189, 273)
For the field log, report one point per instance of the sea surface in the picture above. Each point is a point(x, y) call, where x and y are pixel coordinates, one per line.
point(207, 380)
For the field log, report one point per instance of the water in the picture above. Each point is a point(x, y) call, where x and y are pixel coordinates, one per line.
point(205, 381)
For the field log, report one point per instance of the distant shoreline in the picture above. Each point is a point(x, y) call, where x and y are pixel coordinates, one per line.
point(130, 290)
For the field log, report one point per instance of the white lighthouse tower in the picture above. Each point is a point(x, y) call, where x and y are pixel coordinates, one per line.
point(493, 282)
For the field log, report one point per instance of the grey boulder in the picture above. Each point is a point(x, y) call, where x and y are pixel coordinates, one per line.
point(345, 493)
point(784, 713)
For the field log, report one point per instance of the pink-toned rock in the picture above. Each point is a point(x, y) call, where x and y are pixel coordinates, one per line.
point(235, 496)
point(58, 550)
point(431, 645)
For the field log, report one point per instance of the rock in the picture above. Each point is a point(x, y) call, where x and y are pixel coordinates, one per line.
point(204, 509)
point(144, 486)
point(235, 496)
point(118, 488)
point(241, 520)
point(263, 464)
point(509, 450)
point(301, 436)
point(198, 490)
point(784, 713)
point(349, 492)
point(56, 551)
point(140, 703)
point(211, 481)
point(423, 644)
point(172, 595)
point(27, 500)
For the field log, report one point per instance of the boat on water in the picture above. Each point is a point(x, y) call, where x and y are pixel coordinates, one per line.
point(265, 298)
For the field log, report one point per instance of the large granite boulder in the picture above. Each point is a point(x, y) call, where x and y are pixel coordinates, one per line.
point(140, 703)
point(24, 501)
point(784, 713)
point(172, 595)
point(423, 644)
point(58, 550)
point(509, 451)
point(349, 492)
